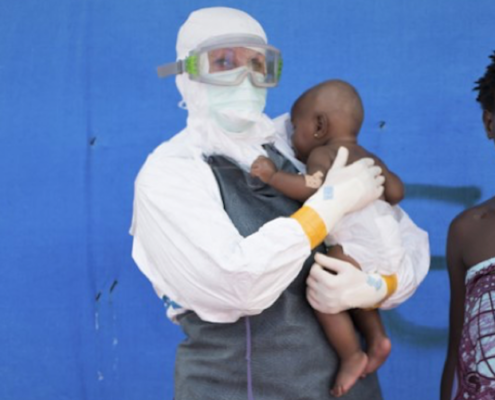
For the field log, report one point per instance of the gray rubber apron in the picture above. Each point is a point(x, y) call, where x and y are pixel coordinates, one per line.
point(280, 354)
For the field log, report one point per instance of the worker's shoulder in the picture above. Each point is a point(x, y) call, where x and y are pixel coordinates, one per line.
point(171, 164)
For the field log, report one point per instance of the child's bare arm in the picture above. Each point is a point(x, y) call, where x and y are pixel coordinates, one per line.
point(457, 273)
point(393, 186)
point(291, 185)
point(295, 186)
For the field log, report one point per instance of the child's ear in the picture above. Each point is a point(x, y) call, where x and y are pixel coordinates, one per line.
point(489, 124)
point(321, 126)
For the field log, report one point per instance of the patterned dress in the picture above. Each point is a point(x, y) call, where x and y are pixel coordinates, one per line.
point(476, 363)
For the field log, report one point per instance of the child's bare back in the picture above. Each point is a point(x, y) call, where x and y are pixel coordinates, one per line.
point(324, 156)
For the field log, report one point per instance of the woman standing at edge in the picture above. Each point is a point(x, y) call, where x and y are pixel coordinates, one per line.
point(471, 266)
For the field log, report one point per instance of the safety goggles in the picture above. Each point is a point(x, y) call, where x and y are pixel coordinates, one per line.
point(227, 60)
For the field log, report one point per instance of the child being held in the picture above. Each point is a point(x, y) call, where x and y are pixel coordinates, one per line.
point(325, 118)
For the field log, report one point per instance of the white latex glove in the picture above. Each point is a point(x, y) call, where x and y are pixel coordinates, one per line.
point(348, 288)
point(345, 189)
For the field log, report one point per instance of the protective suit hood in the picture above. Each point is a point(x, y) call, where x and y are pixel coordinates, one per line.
point(251, 128)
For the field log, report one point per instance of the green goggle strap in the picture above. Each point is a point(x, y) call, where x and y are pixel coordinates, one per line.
point(279, 69)
point(192, 65)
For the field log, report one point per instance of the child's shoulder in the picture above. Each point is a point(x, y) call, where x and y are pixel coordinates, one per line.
point(356, 151)
point(321, 158)
point(330, 150)
point(326, 150)
point(351, 146)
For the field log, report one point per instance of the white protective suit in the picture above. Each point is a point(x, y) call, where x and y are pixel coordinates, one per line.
point(184, 242)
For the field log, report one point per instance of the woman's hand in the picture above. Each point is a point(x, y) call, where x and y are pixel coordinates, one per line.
point(345, 189)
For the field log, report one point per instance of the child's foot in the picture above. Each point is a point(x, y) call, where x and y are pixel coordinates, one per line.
point(378, 352)
point(349, 372)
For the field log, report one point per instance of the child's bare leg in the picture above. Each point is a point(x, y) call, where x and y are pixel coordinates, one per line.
point(379, 345)
point(340, 332)
point(369, 324)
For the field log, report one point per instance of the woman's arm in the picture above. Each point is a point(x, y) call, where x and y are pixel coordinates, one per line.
point(457, 274)
point(187, 246)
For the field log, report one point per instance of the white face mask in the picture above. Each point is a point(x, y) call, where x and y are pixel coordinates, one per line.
point(236, 108)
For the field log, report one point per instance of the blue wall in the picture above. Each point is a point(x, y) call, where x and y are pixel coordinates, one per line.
point(81, 107)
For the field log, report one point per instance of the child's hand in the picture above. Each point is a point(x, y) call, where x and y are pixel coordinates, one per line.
point(263, 168)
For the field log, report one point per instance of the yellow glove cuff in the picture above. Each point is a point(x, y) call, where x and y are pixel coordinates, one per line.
point(391, 282)
point(312, 224)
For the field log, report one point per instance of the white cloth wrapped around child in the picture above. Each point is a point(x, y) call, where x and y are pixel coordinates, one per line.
point(378, 237)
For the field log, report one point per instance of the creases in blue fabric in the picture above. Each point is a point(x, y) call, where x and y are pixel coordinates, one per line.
point(250, 395)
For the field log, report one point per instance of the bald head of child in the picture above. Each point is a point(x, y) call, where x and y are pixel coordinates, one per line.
point(329, 111)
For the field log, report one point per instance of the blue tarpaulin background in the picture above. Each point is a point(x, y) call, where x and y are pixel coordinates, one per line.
point(81, 107)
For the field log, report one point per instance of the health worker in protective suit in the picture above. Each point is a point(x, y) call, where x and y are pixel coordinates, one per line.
point(230, 255)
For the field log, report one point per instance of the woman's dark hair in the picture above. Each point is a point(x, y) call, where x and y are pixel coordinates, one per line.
point(486, 87)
